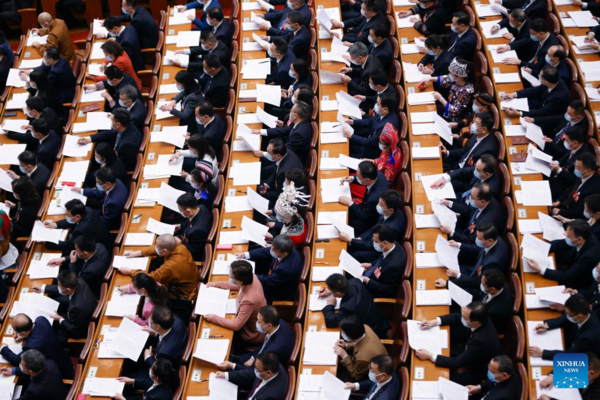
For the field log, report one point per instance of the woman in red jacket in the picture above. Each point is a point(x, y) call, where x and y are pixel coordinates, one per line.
point(115, 55)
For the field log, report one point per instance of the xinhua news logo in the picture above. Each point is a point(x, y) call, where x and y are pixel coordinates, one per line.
point(570, 371)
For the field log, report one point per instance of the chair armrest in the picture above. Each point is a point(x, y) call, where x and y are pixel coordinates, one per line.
point(385, 301)
point(283, 303)
point(22, 239)
point(387, 341)
point(148, 50)
point(10, 270)
point(71, 340)
point(145, 72)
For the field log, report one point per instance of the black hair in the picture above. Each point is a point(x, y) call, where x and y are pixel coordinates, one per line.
point(385, 232)
point(578, 304)
point(40, 126)
point(241, 270)
point(122, 116)
point(352, 326)
point(163, 317)
point(488, 229)
point(76, 207)
point(105, 175)
point(478, 312)
point(157, 294)
point(337, 283)
point(580, 228)
point(68, 279)
point(270, 315)
point(85, 242)
point(392, 199)
point(187, 200)
point(494, 278)
point(368, 170)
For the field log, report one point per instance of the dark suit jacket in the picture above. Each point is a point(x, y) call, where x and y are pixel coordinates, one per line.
point(371, 100)
point(189, 102)
point(282, 282)
point(389, 391)
point(171, 346)
point(116, 165)
point(297, 137)
point(81, 307)
point(571, 206)
point(92, 271)
point(593, 297)
point(197, 55)
point(145, 25)
point(281, 342)
point(492, 213)
point(112, 205)
point(464, 46)
point(215, 88)
point(592, 391)
point(466, 177)
point(440, 64)
point(357, 29)
point(522, 42)
point(496, 257)
point(499, 308)
point(47, 385)
point(299, 42)
point(43, 339)
point(533, 51)
point(277, 178)
point(130, 42)
point(578, 340)
point(114, 90)
point(138, 114)
point(553, 103)
point(193, 233)
point(368, 146)
point(358, 301)
point(23, 218)
point(391, 271)
point(278, 19)
point(383, 52)
point(536, 9)
point(48, 149)
point(554, 125)
point(214, 132)
point(273, 390)
point(126, 147)
point(51, 118)
point(579, 272)
point(433, 20)
point(160, 392)
point(280, 71)
point(367, 210)
point(506, 390)
point(61, 79)
point(481, 346)
point(396, 221)
point(488, 145)
point(360, 77)
point(39, 178)
point(224, 32)
point(561, 182)
point(90, 224)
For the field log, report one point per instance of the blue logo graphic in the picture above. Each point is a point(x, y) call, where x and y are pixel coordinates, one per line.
point(570, 371)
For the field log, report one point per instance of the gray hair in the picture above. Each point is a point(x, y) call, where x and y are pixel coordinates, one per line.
point(518, 14)
point(129, 92)
point(283, 243)
point(358, 49)
point(34, 360)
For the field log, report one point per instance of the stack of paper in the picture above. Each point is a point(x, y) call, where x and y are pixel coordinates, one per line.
point(14, 79)
point(451, 390)
point(188, 38)
point(15, 347)
point(332, 190)
point(42, 234)
point(535, 249)
point(444, 215)
point(459, 295)
point(107, 387)
point(552, 228)
point(222, 267)
point(253, 231)
point(536, 193)
point(529, 226)
point(237, 204)
point(538, 160)
point(232, 237)
point(333, 388)
point(121, 305)
point(424, 221)
point(130, 340)
point(350, 264)
point(99, 29)
point(486, 10)
point(256, 69)
point(348, 105)
point(212, 350)
point(517, 104)
point(592, 93)
point(181, 18)
point(34, 305)
point(552, 294)
point(591, 70)
point(174, 135)
point(500, 57)
point(250, 140)
point(159, 228)
point(309, 386)
point(318, 348)
point(73, 149)
point(447, 254)
point(244, 174)
point(168, 196)
point(445, 192)
point(555, 393)
point(14, 125)
point(549, 340)
point(97, 52)
point(41, 270)
point(535, 134)
point(329, 78)
point(415, 99)
point(163, 168)
point(136, 263)
point(422, 390)
point(426, 339)
point(425, 153)
point(317, 303)
point(433, 297)
point(413, 75)
point(406, 22)
point(412, 48)
point(148, 195)
point(92, 96)
point(211, 301)
point(34, 37)
point(327, 217)
point(96, 69)
point(159, 114)
point(9, 153)
point(139, 239)
point(168, 89)
point(18, 101)
point(320, 274)
point(486, 28)
point(221, 389)
point(270, 94)
point(427, 260)
point(583, 19)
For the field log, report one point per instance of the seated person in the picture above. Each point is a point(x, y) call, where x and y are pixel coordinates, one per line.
point(142, 21)
point(48, 142)
point(357, 29)
point(115, 55)
point(380, 46)
point(36, 108)
point(357, 77)
point(359, 344)
point(278, 18)
point(71, 321)
point(384, 273)
point(178, 271)
point(37, 335)
point(390, 161)
point(552, 97)
point(355, 300)
point(168, 347)
point(38, 174)
point(363, 216)
point(432, 17)
point(189, 96)
point(556, 56)
point(129, 100)
point(59, 73)
point(200, 180)
point(297, 35)
point(517, 25)
point(39, 86)
point(58, 36)
point(482, 103)
point(201, 23)
point(580, 327)
point(220, 27)
point(496, 295)
point(463, 41)
point(209, 125)
point(283, 268)
point(459, 82)
point(468, 367)
point(214, 82)
point(571, 203)
point(198, 150)
point(390, 213)
point(302, 78)
point(272, 182)
point(193, 231)
point(464, 179)
point(502, 381)
point(128, 38)
point(162, 383)
point(268, 379)
point(7, 56)
point(45, 382)
point(379, 83)
point(364, 140)
point(154, 295)
point(209, 44)
point(563, 175)
point(383, 382)
point(591, 211)
point(437, 58)
point(115, 81)
point(289, 208)
point(283, 57)
point(113, 194)
point(24, 212)
point(249, 301)
point(105, 157)
point(578, 251)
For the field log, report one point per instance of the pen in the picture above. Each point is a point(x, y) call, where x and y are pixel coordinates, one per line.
point(321, 263)
point(264, 62)
point(202, 380)
point(230, 227)
point(240, 191)
point(215, 336)
point(335, 126)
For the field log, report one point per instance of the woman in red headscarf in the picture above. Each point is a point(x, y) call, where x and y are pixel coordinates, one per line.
point(5, 230)
point(390, 160)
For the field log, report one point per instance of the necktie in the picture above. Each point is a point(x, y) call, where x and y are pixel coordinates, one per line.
point(207, 85)
point(466, 194)
point(559, 136)
point(375, 268)
point(117, 141)
point(466, 157)
point(256, 384)
point(471, 227)
point(274, 266)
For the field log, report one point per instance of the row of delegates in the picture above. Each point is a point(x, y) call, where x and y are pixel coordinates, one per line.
point(127, 37)
point(41, 140)
point(209, 125)
point(199, 149)
point(7, 58)
point(39, 86)
point(209, 44)
point(142, 21)
point(115, 81)
point(115, 55)
point(296, 35)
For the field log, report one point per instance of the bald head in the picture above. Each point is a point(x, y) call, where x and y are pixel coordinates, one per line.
point(22, 325)
point(45, 19)
point(166, 242)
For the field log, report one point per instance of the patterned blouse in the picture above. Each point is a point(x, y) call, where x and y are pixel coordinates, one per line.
point(459, 100)
point(295, 230)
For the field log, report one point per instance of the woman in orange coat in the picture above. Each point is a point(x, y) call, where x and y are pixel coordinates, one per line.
point(115, 55)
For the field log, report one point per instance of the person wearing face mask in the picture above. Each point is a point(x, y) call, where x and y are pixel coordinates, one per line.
point(161, 383)
point(45, 381)
point(592, 294)
point(35, 108)
point(580, 327)
point(168, 339)
point(570, 204)
point(59, 73)
point(115, 55)
point(380, 84)
point(482, 103)
point(154, 294)
point(29, 170)
point(289, 211)
point(37, 335)
point(463, 41)
point(468, 364)
point(365, 137)
point(194, 229)
point(556, 56)
point(591, 211)
point(437, 59)
point(201, 23)
point(48, 143)
point(278, 18)
point(495, 293)
point(302, 92)
point(198, 150)
point(142, 21)
point(358, 29)
point(189, 96)
point(432, 17)
point(357, 347)
point(38, 86)
point(127, 99)
point(578, 252)
point(278, 268)
point(268, 380)
point(76, 308)
point(297, 35)
point(379, 45)
point(390, 160)
point(502, 381)
point(383, 382)
point(209, 44)
point(214, 82)
point(105, 156)
point(517, 25)
point(115, 81)
point(357, 76)
point(200, 182)
point(58, 36)
point(113, 194)
point(284, 58)
point(7, 56)
point(127, 37)
point(24, 211)
point(563, 171)
point(220, 26)
point(251, 298)
point(273, 176)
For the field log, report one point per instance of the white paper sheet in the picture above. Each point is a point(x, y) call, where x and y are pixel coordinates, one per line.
point(459, 295)
point(333, 388)
point(433, 297)
point(245, 174)
point(445, 192)
point(270, 94)
point(425, 153)
point(253, 231)
point(447, 254)
point(517, 104)
point(211, 300)
point(549, 340)
point(42, 234)
point(426, 339)
point(451, 390)
point(320, 274)
point(138, 263)
point(130, 339)
point(318, 348)
point(427, 260)
point(139, 239)
point(168, 196)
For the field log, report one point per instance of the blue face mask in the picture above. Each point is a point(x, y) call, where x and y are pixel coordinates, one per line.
point(289, 28)
point(273, 254)
point(376, 109)
point(269, 53)
point(109, 58)
point(479, 243)
point(454, 29)
point(70, 220)
point(124, 10)
point(379, 208)
point(474, 128)
point(291, 74)
point(431, 52)
point(46, 62)
point(268, 156)
point(360, 182)
point(23, 170)
point(464, 322)
point(569, 242)
point(472, 203)
point(547, 59)
point(571, 319)
point(534, 38)
point(491, 377)
point(482, 288)
point(370, 39)
point(377, 247)
point(586, 214)
point(476, 109)
point(476, 174)
point(567, 117)
point(259, 328)
point(100, 187)
point(567, 145)
point(577, 173)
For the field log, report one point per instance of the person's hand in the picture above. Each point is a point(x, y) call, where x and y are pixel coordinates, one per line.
point(345, 200)
point(453, 243)
point(36, 288)
point(527, 69)
point(452, 273)
point(55, 316)
point(118, 397)
point(84, 140)
point(541, 328)
point(263, 26)
point(124, 289)
point(175, 157)
point(220, 375)
point(570, 291)
point(440, 283)
point(35, 31)
point(324, 292)
point(346, 179)
point(107, 97)
point(12, 175)
point(335, 24)
point(331, 301)
point(423, 354)
point(440, 183)
point(345, 70)
point(422, 50)
point(443, 148)
point(125, 271)
point(359, 97)
point(268, 237)
point(577, 3)
point(262, 189)
point(534, 265)
point(345, 237)
point(445, 229)
point(535, 351)
point(90, 87)
point(126, 380)
point(345, 79)
point(414, 19)
point(508, 36)
point(404, 14)
point(508, 96)
point(427, 71)
point(424, 83)
point(511, 61)
point(148, 352)
point(347, 133)
point(76, 189)
point(258, 153)
point(453, 125)
point(73, 256)
point(544, 397)
point(557, 307)
point(502, 49)
point(529, 120)
point(366, 266)
point(26, 127)
point(495, 29)
point(554, 166)
point(349, 385)
point(130, 254)
point(512, 112)
point(178, 240)
point(340, 351)
point(183, 174)
point(149, 330)
point(437, 96)
point(547, 382)
point(209, 317)
point(595, 45)
point(427, 324)
point(55, 262)
point(49, 225)
point(445, 202)
point(225, 365)
point(250, 362)
point(9, 204)
point(6, 371)
point(590, 37)
point(473, 389)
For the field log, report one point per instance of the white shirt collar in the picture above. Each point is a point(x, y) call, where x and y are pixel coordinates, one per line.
point(385, 253)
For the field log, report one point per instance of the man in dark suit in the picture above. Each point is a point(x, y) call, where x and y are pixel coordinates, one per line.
point(73, 322)
point(221, 28)
point(591, 294)
point(387, 383)
point(124, 135)
point(60, 75)
point(536, 9)
point(280, 281)
point(46, 382)
point(364, 141)
point(463, 179)
point(115, 81)
point(362, 216)
point(554, 127)
point(209, 44)
point(552, 97)
point(484, 209)
point(556, 56)
point(481, 142)
point(517, 25)
point(380, 46)
point(297, 35)
point(357, 29)
point(298, 134)
point(463, 41)
point(469, 366)
point(38, 174)
point(129, 100)
point(284, 58)
point(432, 17)
point(48, 142)
point(535, 46)
point(278, 18)
point(384, 273)
point(172, 337)
point(36, 107)
point(214, 82)
point(502, 381)
point(193, 231)
point(142, 21)
point(390, 213)
point(128, 38)
point(113, 194)
point(40, 336)
point(357, 77)
point(267, 381)
point(579, 252)
point(381, 85)
point(563, 175)
point(209, 125)
point(272, 179)
point(355, 300)
point(571, 203)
